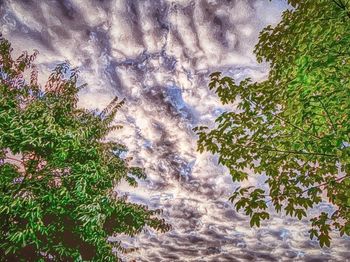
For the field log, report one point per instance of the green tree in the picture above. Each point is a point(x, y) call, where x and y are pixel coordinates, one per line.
point(58, 171)
point(293, 128)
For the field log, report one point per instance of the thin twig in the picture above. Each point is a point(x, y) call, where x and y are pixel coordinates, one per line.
point(286, 121)
point(286, 151)
point(320, 185)
point(328, 115)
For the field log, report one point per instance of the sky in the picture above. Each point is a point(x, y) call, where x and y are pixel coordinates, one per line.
point(157, 54)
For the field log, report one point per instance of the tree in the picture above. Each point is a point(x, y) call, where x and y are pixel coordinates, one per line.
point(293, 128)
point(58, 171)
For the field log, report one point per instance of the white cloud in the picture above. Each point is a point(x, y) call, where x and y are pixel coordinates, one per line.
point(158, 54)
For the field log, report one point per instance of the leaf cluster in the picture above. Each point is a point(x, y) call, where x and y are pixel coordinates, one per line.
point(58, 171)
point(292, 128)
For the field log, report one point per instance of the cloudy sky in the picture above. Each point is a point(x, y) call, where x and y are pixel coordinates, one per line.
point(157, 54)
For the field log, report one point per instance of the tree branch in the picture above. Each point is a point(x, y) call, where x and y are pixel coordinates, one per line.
point(328, 115)
point(341, 5)
point(286, 121)
point(318, 186)
point(298, 128)
point(287, 151)
point(338, 4)
point(296, 152)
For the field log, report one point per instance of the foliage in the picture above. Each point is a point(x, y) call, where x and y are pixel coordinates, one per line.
point(58, 171)
point(293, 128)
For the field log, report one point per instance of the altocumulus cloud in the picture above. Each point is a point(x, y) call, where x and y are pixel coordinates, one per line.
point(157, 55)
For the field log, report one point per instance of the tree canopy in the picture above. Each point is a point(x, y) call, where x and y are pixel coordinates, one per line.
point(292, 129)
point(58, 171)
